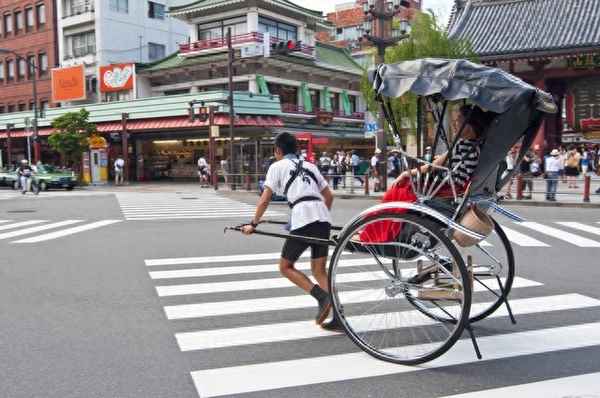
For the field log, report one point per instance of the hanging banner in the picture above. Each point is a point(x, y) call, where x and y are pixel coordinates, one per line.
point(68, 84)
point(116, 77)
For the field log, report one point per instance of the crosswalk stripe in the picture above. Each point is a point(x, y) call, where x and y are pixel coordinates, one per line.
point(575, 386)
point(68, 231)
point(260, 284)
point(192, 217)
point(358, 365)
point(32, 230)
point(215, 259)
point(187, 311)
point(581, 227)
point(21, 224)
point(244, 269)
point(188, 211)
point(271, 333)
point(522, 239)
point(5, 221)
point(560, 234)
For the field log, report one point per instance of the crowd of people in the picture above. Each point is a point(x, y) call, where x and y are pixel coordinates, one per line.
point(565, 164)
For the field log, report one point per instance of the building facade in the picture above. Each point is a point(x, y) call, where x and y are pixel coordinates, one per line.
point(102, 32)
point(29, 29)
point(552, 44)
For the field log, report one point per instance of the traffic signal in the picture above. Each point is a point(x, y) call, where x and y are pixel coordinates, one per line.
point(286, 47)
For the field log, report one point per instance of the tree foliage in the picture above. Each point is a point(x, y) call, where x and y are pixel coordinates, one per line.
point(428, 39)
point(71, 137)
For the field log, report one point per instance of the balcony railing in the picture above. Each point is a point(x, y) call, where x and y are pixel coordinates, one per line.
point(297, 109)
point(78, 11)
point(237, 41)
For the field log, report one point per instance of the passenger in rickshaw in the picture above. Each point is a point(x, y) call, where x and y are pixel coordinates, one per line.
point(462, 162)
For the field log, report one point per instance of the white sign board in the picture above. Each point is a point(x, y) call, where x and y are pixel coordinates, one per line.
point(252, 50)
point(371, 125)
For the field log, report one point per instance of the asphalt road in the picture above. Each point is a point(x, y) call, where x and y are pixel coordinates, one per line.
point(81, 315)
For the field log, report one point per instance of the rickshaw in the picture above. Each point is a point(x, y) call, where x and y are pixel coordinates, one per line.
point(409, 299)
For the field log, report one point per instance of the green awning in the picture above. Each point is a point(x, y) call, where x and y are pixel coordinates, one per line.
point(306, 100)
point(346, 106)
point(263, 89)
point(326, 100)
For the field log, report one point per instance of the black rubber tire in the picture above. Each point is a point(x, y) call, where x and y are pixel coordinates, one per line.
point(462, 268)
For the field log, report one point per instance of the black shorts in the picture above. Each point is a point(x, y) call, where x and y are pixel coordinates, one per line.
point(571, 171)
point(293, 248)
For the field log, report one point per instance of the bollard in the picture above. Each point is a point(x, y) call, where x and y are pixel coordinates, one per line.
point(366, 184)
point(519, 187)
point(587, 182)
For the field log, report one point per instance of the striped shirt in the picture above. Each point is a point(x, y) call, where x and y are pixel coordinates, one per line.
point(464, 160)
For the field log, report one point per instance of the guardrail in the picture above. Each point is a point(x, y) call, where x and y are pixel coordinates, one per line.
point(586, 187)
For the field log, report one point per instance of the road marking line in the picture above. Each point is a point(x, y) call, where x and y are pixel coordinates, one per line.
point(32, 230)
point(560, 234)
point(256, 284)
point(5, 221)
point(581, 227)
point(201, 310)
point(522, 239)
point(270, 333)
point(244, 269)
point(187, 211)
point(575, 386)
point(217, 259)
point(359, 365)
point(21, 224)
point(68, 231)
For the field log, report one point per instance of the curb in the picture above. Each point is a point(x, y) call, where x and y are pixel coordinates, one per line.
point(529, 203)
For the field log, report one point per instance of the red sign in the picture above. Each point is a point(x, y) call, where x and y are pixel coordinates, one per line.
point(68, 84)
point(116, 77)
point(590, 124)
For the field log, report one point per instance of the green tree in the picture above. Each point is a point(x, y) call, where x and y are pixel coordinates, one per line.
point(428, 39)
point(71, 137)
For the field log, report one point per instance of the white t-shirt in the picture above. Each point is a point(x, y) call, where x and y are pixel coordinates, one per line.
point(303, 213)
point(374, 161)
point(202, 163)
point(553, 164)
point(119, 164)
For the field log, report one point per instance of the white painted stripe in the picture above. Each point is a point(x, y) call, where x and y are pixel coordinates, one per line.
point(186, 311)
point(228, 209)
point(21, 224)
point(32, 230)
point(5, 221)
point(68, 231)
point(359, 365)
point(581, 227)
point(216, 259)
point(587, 385)
point(256, 284)
point(270, 333)
point(522, 239)
point(560, 234)
point(187, 211)
point(191, 217)
point(244, 269)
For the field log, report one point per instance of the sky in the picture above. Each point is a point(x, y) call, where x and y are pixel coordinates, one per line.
point(441, 7)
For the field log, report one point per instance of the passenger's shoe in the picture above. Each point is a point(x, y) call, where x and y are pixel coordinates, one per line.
point(333, 326)
point(324, 309)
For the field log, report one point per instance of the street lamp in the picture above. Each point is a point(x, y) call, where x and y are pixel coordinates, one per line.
point(36, 69)
point(382, 28)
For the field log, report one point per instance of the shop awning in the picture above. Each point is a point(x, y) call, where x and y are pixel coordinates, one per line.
point(180, 122)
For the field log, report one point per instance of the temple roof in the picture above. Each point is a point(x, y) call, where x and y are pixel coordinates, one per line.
point(500, 29)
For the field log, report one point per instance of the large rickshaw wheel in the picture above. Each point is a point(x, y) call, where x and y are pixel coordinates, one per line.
point(376, 286)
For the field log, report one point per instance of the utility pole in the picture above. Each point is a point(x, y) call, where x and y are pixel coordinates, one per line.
point(231, 54)
point(379, 29)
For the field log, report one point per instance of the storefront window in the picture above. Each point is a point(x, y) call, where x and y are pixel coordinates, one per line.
point(287, 94)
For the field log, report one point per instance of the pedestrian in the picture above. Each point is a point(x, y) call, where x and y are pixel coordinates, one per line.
point(527, 175)
point(375, 170)
point(335, 170)
point(355, 160)
point(310, 199)
point(24, 175)
point(585, 160)
point(552, 167)
point(324, 163)
point(393, 164)
point(119, 167)
point(347, 169)
point(203, 172)
point(225, 170)
point(510, 166)
point(572, 164)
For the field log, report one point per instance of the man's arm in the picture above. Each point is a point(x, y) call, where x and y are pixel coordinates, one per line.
point(328, 197)
point(261, 208)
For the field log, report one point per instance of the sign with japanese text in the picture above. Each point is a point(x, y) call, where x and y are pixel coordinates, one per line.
point(68, 84)
point(116, 77)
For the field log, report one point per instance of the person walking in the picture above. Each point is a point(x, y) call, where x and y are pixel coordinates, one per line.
point(355, 160)
point(552, 167)
point(310, 199)
point(324, 164)
point(572, 165)
point(335, 170)
point(527, 175)
point(510, 166)
point(375, 170)
point(203, 172)
point(119, 167)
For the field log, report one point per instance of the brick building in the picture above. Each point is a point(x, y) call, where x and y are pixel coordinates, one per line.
point(27, 27)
